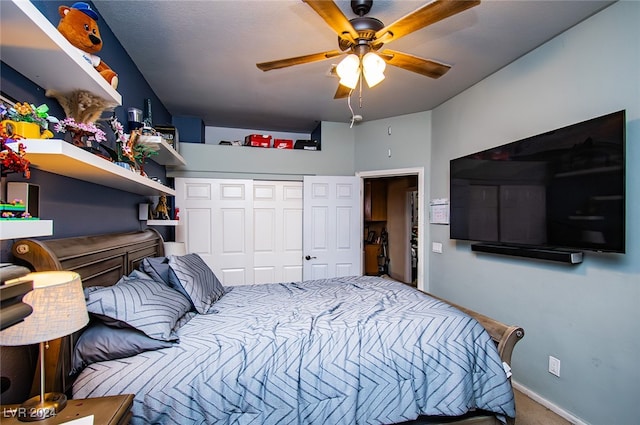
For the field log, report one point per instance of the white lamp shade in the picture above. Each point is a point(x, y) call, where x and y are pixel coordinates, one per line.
point(373, 67)
point(59, 309)
point(349, 71)
point(174, 248)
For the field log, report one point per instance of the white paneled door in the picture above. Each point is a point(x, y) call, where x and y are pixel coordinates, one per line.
point(277, 230)
point(247, 231)
point(252, 231)
point(332, 227)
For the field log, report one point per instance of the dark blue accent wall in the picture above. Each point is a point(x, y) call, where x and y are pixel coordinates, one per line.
point(77, 207)
point(190, 129)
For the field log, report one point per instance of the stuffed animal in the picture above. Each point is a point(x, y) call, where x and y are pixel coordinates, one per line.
point(79, 25)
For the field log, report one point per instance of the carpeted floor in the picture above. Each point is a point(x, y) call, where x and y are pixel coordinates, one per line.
point(529, 412)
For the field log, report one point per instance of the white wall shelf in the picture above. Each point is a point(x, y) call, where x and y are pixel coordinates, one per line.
point(163, 222)
point(34, 47)
point(59, 157)
point(167, 155)
point(15, 229)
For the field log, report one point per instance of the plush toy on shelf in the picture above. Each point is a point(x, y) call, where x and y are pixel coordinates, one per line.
point(79, 25)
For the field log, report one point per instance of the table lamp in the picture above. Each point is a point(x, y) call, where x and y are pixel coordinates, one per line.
point(59, 309)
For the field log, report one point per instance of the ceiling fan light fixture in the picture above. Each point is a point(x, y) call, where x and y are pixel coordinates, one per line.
point(373, 67)
point(349, 71)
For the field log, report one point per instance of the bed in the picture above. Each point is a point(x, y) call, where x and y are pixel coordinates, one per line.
point(356, 349)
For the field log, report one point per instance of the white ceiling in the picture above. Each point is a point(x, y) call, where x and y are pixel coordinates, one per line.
point(199, 56)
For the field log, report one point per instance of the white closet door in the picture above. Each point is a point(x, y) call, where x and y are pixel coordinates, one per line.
point(277, 228)
point(247, 232)
point(217, 224)
point(233, 230)
point(195, 198)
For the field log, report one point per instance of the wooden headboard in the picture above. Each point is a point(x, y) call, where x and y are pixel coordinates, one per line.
point(100, 260)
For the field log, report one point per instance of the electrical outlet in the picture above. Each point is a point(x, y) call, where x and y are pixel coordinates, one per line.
point(554, 366)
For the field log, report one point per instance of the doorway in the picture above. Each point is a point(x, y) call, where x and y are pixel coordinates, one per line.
point(393, 238)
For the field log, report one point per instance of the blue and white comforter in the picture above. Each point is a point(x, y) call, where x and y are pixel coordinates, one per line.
point(350, 350)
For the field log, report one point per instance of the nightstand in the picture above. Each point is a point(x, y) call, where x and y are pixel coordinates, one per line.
point(110, 410)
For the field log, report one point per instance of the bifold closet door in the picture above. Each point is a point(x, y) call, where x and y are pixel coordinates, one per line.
point(277, 231)
point(247, 231)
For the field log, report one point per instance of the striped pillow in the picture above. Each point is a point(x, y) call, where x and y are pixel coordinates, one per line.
point(197, 279)
point(143, 304)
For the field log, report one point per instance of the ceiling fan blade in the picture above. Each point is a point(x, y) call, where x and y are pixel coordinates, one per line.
point(299, 60)
point(342, 92)
point(412, 63)
point(334, 17)
point(420, 18)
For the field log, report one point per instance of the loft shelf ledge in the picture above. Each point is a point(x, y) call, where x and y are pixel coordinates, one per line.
point(59, 157)
point(34, 47)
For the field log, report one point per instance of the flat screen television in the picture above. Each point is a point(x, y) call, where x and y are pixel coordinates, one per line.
point(561, 189)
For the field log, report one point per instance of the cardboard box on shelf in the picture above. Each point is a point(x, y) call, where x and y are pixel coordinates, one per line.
point(258, 140)
point(309, 145)
point(283, 143)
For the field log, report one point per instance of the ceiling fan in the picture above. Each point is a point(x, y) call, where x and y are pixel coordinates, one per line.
point(362, 35)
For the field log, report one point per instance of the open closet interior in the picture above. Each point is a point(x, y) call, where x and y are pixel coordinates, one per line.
point(390, 227)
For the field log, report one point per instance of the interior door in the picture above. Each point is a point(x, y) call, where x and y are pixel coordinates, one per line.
point(277, 226)
point(217, 224)
point(332, 218)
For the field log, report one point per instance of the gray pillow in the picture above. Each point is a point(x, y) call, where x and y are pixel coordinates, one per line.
point(197, 279)
point(143, 304)
point(100, 342)
point(157, 268)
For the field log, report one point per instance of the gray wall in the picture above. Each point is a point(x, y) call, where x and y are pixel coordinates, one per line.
point(588, 315)
point(409, 142)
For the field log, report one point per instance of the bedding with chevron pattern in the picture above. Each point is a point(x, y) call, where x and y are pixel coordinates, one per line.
point(354, 350)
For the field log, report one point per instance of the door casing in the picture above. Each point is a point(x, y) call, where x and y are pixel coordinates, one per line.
point(419, 171)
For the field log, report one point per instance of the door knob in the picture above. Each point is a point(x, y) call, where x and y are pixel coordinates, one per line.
point(308, 257)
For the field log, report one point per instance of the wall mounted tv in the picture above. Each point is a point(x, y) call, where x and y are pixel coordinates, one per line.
point(561, 189)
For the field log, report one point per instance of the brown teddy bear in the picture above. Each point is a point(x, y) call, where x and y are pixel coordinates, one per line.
point(79, 25)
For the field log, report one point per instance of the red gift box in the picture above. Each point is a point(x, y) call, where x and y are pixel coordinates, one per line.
point(260, 140)
point(283, 143)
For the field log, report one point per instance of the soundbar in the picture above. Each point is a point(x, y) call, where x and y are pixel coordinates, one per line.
point(571, 257)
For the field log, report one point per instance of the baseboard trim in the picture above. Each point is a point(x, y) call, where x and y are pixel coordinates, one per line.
point(549, 405)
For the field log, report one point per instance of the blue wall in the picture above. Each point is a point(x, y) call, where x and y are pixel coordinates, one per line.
point(77, 207)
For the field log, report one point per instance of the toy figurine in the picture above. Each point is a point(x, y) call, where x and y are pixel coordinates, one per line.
point(161, 211)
